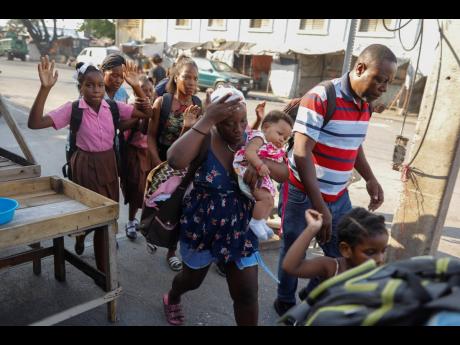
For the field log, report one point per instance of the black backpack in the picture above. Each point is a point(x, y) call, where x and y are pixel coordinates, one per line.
point(293, 106)
point(166, 109)
point(406, 292)
point(75, 122)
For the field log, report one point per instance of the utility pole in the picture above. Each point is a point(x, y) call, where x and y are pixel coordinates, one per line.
point(420, 216)
point(350, 45)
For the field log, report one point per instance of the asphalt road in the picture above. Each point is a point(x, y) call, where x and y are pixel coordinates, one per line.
point(145, 277)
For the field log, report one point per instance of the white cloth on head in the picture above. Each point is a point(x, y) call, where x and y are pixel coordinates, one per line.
point(223, 90)
point(85, 66)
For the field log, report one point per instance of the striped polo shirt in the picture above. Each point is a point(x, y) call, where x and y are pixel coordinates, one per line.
point(338, 142)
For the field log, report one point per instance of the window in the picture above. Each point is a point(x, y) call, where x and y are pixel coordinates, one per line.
point(217, 24)
point(263, 25)
point(313, 26)
point(222, 66)
point(375, 28)
point(203, 64)
point(183, 23)
point(374, 25)
point(132, 23)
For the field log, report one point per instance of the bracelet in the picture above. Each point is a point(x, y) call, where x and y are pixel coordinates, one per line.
point(202, 133)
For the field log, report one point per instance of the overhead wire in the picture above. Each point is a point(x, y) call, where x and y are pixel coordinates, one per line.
point(434, 95)
point(418, 39)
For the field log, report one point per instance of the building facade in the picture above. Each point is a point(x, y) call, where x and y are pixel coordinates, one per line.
point(311, 50)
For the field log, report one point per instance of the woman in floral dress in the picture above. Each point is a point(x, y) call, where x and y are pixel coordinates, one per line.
point(216, 214)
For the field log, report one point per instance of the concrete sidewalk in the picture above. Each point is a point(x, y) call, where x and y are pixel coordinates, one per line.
point(26, 298)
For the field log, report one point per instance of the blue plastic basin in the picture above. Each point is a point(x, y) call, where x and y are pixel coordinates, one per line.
point(7, 207)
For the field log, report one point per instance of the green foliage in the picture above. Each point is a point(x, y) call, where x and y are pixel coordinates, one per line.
point(98, 28)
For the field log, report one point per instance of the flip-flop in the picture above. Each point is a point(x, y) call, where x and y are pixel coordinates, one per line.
point(175, 263)
point(173, 312)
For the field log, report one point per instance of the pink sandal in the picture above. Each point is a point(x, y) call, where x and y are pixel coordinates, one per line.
point(173, 312)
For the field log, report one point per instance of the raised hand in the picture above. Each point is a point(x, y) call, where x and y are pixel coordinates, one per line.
point(314, 220)
point(220, 110)
point(191, 115)
point(45, 72)
point(260, 110)
point(131, 74)
point(142, 104)
point(209, 91)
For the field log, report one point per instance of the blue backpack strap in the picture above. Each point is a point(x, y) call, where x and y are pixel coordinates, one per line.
point(331, 101)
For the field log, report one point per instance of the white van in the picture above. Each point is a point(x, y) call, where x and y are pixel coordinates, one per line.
point(96, 55)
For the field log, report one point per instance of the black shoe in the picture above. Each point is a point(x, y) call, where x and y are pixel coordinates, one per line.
point(80, 245)
point(282, 307)
point(220, 268)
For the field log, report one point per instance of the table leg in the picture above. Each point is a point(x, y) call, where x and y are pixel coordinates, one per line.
point(59, 259)
point(37, 263)
point(111, 269)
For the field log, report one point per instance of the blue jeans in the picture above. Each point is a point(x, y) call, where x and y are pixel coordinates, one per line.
point(294, 224)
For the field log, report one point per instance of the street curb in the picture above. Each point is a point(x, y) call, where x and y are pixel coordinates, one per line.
point(409, 119)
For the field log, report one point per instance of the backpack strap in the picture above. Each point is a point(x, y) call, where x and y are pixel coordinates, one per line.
point(76, 117)
point(115, 114)
point(75, 121)
point(331, 101)
point(196, 163)
point(196, 100)
point(165, 110)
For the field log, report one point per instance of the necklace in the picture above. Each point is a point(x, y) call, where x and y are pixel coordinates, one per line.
point(231, 150)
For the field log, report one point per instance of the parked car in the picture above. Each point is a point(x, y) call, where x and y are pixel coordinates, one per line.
point(13, 47)
point(96, 55)
point(212, 73)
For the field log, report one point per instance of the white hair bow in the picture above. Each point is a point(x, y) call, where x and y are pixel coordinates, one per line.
point(85, 66)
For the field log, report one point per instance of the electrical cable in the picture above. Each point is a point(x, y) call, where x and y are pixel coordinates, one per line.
point(415, 43)
point(397, 29)
point(411, 88)
point(434, 95)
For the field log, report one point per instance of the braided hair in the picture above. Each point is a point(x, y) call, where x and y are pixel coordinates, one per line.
point(358, 224)
point(111, 61)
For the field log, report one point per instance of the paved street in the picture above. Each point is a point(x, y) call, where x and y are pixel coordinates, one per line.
point(144, 277)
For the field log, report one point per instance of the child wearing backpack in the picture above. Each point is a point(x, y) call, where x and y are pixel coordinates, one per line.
point(362, 235)
point(112, 67)
point(93, 163)
point(167, 123)
point(136, 162)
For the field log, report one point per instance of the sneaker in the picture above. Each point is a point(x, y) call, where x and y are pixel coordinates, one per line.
point(282, 307)
point(130, 230)
point(136, 224)
point(257, 227)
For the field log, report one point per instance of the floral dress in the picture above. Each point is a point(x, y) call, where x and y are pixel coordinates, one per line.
point(171, 131)
point(267, 150)
point(216, 214)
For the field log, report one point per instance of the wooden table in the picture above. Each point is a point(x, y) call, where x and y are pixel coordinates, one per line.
point(51, 208)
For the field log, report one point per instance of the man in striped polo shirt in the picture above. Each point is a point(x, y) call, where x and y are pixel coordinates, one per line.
point(322, 159)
